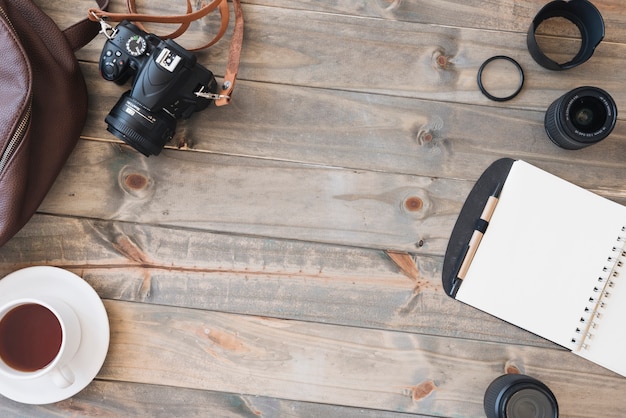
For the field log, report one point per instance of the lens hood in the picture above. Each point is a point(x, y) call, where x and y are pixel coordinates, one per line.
point(580, 12)
point(517, 396)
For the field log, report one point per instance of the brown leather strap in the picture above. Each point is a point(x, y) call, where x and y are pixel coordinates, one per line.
point(95, 14)
point(234, 55)
point(81, 33)
point(184, 21)
point(132, 8)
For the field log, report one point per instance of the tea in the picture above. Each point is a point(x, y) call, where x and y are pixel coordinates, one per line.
point(30, 337)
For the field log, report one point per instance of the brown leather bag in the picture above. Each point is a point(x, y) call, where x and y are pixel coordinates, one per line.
point(44, 97)
point(44, 105)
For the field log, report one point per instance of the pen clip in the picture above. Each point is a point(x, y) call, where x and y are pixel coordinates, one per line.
point(480, 227)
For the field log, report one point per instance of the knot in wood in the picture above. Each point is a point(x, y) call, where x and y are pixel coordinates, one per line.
point(426, 137)
point(442, 61)
point(413, 204)
point(514, 367)
point(136, 181)
point(423, 390)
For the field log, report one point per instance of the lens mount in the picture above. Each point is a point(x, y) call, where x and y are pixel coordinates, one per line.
point(517, 396)
point(581, 13)
point(581, 117)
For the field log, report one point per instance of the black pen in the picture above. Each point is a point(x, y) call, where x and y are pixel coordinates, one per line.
point(479, 230)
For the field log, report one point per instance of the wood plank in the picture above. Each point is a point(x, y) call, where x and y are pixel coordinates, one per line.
point(337, 365)
point(412, 137)
point(254, 276)
point(122, 399)
point(388, 57)
point(504, 15)
point(381, 133)
point(257, 197)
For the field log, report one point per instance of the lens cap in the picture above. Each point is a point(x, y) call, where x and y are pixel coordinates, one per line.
point(581, 13)
point(519, 396)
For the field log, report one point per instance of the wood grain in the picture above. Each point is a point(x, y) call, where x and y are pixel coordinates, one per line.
point(282, 257)
point(257, 197)
point(121, 399)
point(254, 276)
point(377, 133)
point(336, 365)
point(505, 15)
point(389, 57)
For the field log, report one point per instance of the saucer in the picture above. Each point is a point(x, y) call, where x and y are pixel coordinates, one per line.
point(94, 323)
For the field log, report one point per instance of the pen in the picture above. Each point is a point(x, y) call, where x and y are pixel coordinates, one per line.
point(479, 230)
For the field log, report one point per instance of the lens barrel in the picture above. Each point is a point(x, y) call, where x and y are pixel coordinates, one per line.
point(581, 117)
point(144, 130)
point(519, 396)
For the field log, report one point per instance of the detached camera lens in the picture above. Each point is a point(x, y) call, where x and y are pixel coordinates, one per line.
point(580, 118)
point(519, 396)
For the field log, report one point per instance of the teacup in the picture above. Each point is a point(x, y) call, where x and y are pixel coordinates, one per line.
point(39, 336)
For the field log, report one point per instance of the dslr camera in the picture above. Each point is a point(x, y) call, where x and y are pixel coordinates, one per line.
point(168, 84)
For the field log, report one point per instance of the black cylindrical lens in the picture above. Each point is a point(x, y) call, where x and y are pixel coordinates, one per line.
point(580, 118)
point(144, 130)
point(519, 396)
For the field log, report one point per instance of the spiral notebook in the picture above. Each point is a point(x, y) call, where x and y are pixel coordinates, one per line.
point(551, 261)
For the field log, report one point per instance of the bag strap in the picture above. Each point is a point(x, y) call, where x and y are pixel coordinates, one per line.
point(234, 55)
point(81, 33)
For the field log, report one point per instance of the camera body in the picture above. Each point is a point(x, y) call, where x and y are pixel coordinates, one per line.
point(168, 84)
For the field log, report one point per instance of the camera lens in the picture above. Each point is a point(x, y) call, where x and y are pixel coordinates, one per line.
point(144, 130)
point(519, 396)
point(580, 118)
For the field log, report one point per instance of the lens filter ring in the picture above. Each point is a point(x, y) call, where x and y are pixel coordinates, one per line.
point(481, 85)
point(518, 395)
point(581, 13)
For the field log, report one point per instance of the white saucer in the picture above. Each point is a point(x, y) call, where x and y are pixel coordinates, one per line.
point(94, 324)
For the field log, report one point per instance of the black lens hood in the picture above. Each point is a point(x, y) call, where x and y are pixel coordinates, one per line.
point(580, 12)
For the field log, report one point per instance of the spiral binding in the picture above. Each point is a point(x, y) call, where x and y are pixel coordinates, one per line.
point(601, 292)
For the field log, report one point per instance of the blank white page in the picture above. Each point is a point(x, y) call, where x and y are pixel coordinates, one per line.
point(541, 255)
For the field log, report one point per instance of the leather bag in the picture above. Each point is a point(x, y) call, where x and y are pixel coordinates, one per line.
point(43, 98)
point(43, 95)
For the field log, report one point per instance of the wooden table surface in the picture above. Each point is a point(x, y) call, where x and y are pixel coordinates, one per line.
point(282, 257)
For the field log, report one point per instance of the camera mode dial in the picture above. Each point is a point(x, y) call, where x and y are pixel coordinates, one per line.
point(123, 54)
point(136, 45)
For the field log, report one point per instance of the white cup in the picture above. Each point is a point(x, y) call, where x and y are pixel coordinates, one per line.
point(16, 352)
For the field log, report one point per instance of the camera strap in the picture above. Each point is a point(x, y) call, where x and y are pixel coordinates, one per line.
point(184, 21)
